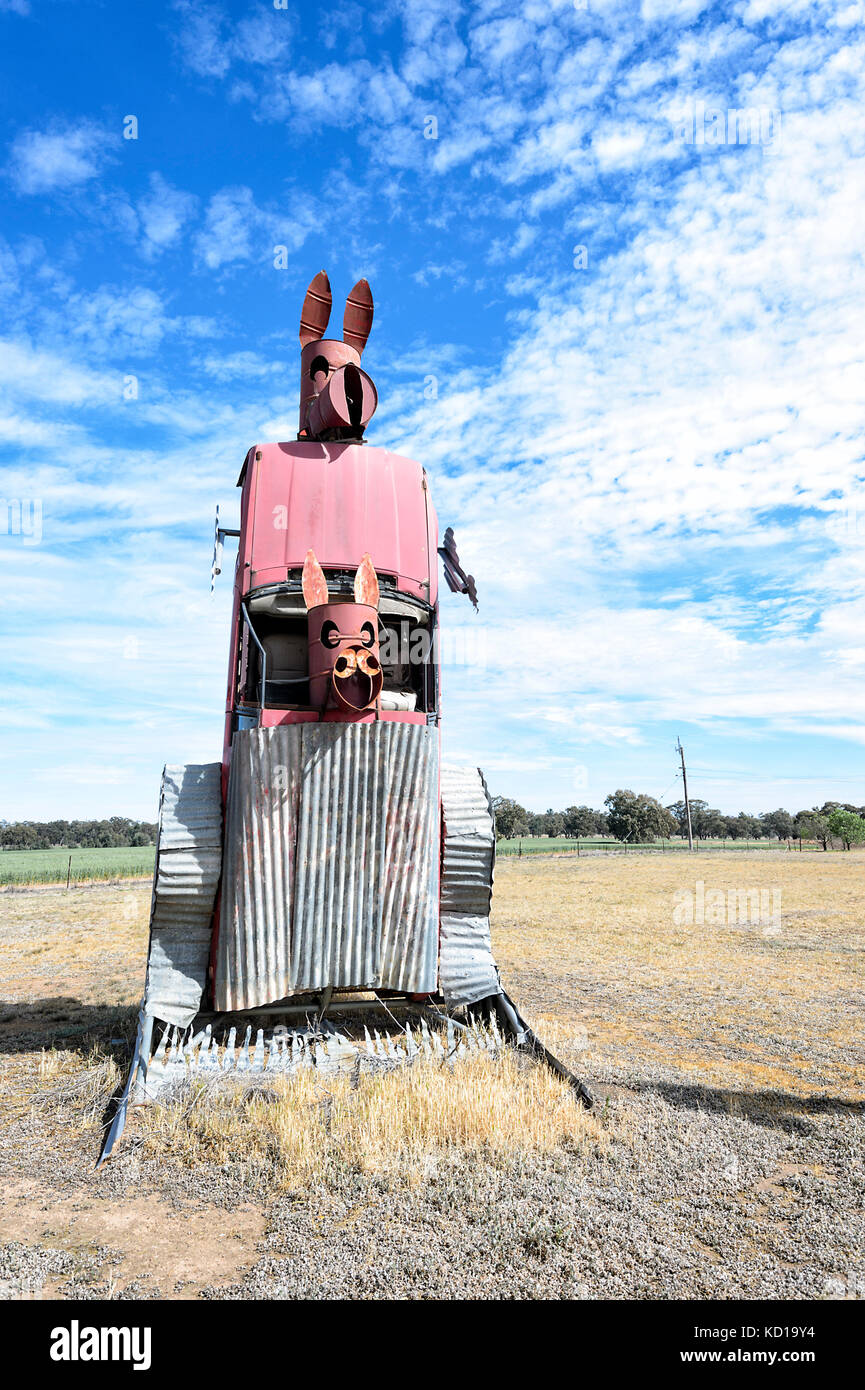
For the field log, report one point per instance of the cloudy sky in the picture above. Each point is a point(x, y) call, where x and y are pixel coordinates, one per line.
point(621, 326)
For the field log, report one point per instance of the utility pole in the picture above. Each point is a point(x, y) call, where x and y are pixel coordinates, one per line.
point(681, 752)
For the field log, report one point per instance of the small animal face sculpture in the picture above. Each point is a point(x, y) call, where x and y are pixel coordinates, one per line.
point(344, 668)
point(337, 398)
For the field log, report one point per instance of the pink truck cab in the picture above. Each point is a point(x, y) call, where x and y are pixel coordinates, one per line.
point(340, 500)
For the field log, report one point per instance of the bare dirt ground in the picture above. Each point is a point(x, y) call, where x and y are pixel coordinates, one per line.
point(724, 1157)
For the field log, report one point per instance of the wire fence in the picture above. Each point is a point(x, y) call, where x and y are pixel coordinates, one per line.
point(527, 845)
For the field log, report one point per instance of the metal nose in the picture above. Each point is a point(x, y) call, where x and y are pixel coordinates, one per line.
point(348, 399)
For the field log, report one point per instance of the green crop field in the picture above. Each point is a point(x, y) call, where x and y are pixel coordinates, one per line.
point(51, 865)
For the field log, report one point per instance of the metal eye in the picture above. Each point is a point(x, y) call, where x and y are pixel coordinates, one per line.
point(345, 664)
point(368, 663)
point(367, 633)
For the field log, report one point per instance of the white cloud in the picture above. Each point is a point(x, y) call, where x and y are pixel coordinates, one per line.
point(39, 375)
point(210, 43)
point(238, 228)
point(164, 213)
point(684, 10)
point(59, 158)
point(226, 235)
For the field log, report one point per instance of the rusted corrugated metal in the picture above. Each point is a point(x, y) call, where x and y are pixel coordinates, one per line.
point(467, 970)
point(340, 827)
point(411, 861)
point(330, 862)
point(186, 878)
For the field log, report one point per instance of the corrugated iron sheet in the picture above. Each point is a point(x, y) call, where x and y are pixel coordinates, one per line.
point(411, 861)
point(331, 862)
point(467, 969)
point(186, 878)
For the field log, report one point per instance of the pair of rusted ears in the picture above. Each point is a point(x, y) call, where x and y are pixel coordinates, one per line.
point(315, 314)
point(314, 584)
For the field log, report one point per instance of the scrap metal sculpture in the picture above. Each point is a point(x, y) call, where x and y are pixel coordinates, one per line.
point(330, 867)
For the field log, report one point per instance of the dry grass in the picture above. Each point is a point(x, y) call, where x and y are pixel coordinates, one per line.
point(593, 944)
point(397, 1123)
point(732, 1056)
point(87, 944)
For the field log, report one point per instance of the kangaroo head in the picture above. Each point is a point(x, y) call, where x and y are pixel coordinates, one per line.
point(337, 398)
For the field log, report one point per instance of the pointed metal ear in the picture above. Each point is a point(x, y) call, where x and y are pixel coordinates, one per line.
point(313, 582)
point(366, 583)
point(357, 320)
point(316, 309)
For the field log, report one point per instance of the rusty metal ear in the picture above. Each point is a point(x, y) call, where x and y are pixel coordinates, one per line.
point(313, 582)
point(316, 309)
point(357, 320)
point(366, 583)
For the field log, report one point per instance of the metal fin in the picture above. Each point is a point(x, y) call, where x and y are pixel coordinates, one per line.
point(228, 1059)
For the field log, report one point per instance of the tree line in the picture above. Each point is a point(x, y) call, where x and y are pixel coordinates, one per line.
point(76, 834)
point(635, 818)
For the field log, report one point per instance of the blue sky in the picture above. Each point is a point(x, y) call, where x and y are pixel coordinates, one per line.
point(650, 449)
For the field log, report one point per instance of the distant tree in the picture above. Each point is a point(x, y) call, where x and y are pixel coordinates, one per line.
point(555, 823)
point(745, 827)
point(76, 834)
point(581, 821)
point(778, 823)
point(511, 818)
point(637, 818)
point(713, 825)
point(847, 826)
point(812, 825)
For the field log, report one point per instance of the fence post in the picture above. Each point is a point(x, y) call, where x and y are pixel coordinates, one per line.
point(68, 873)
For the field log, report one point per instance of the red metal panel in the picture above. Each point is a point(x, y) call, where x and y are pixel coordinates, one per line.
point(274, 717)
point(340, 500)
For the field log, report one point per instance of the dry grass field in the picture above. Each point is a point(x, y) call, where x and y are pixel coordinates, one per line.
point(723, 1158)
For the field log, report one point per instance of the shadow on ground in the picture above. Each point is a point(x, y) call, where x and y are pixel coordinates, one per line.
point(65, 1023)
point(775, 1109)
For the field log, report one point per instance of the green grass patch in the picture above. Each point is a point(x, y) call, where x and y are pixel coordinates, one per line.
point(51, 865)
